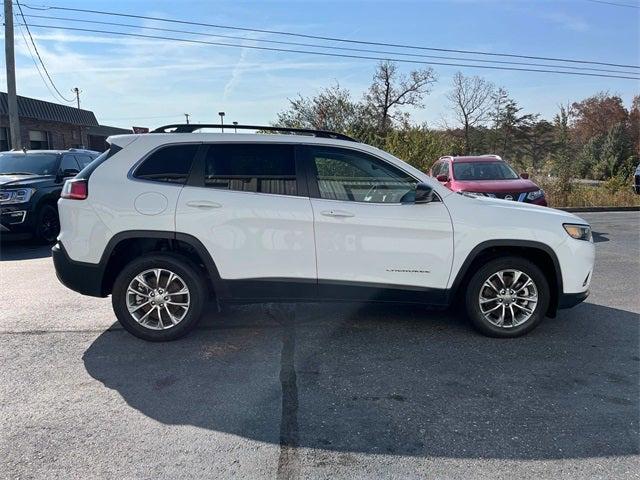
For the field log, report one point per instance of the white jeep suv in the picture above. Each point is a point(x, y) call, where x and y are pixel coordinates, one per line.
point(165, 222)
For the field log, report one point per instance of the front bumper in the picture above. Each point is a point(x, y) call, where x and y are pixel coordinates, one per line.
point(84, 278)
point(568, 300)
point(16, 220)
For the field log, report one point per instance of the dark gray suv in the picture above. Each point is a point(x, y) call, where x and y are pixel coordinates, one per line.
point(30, 185)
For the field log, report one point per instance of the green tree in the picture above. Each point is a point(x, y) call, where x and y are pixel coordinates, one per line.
point(562, 157)
point(420, 146)
point(616, 158)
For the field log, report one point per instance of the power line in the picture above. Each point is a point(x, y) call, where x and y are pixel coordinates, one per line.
point(333, 39)
point(35, 48)
point(340, 55)
point(35, 63)
point(330, 47)
point(614, 4)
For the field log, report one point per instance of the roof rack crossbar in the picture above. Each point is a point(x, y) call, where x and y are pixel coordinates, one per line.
point(192, 127)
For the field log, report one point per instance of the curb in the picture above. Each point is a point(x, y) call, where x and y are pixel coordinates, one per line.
point(599, 209)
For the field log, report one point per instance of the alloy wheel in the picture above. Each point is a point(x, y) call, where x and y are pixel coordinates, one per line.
point(158, 299)
point(508, 298)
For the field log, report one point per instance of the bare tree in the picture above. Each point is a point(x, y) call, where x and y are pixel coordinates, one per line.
point(471, 99)
point(391, 90)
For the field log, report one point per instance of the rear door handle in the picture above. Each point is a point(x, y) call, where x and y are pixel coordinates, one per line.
point(337, 213)
point(203, 204)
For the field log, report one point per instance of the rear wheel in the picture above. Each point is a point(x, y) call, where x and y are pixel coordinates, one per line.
point(159, 297)
point(507, 297)
point(47, 225)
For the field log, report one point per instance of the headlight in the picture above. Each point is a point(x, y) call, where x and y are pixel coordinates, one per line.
point(21, 195)
point(535, 195)
point(579, 232)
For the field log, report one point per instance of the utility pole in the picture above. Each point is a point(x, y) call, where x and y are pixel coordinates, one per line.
point(12, 96)
point(186, 116)
point(77, 91)
point(235, 125)
point(221, 120)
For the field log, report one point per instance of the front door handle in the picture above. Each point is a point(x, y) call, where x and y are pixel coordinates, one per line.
point(203, 204)
point(337, 213)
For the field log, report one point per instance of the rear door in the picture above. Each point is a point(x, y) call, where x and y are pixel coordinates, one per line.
point(372, 243)
point(69, 166)
point(246, 204)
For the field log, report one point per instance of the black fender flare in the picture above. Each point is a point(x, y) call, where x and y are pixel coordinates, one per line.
point(489, 244)
point(211, 267)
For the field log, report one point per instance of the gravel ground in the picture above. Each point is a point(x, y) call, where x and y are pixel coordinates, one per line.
point(321, 391)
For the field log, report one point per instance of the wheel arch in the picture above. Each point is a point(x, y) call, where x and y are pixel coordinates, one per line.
point(124, 246)
point(539, 253)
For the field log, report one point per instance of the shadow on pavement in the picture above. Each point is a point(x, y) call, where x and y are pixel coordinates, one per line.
point(390, 380)
point(23, 250)
point(600, 237)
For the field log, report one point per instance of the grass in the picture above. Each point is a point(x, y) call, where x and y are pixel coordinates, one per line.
point(608, 194)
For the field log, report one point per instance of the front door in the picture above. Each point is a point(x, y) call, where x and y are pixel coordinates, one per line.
point(372, 243)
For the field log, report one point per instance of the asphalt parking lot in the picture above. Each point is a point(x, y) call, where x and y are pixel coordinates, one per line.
point(321, 391)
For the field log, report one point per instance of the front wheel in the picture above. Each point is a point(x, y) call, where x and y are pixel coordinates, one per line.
point(507, 297)
point(159, 297)
point(47, 225)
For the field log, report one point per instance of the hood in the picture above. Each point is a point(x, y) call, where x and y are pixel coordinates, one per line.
point(521, 206)
point(496, 186)
point(7, 181)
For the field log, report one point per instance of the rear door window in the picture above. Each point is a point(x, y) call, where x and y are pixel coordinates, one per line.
point(248, 167)
point(170, 164)
point(83, 160)
point(69, 164)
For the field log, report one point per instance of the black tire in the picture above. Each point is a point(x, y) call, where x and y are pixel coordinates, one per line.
point(476, 282)
point(47, 225)
point(177, 264)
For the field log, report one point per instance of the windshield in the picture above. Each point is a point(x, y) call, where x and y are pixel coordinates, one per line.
point(28, 163)
point(483, 171)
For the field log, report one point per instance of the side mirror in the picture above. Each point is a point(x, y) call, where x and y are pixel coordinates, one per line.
point(442, 178)
point(69, 172)
point(524, 175)
point(424, 193)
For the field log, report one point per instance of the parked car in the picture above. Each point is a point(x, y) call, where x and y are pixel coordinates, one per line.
point(636, 180)
point(30, 185)
point(165, 222)
point(487, 175)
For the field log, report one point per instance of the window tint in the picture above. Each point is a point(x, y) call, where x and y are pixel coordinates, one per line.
point(169, 164)
point(36, 163)
point(260, 168)
point(69, 163)
point(83, 160)
point(344, 174)
point(483, 171)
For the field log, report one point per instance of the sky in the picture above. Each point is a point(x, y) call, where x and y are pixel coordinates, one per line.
point(129, 81)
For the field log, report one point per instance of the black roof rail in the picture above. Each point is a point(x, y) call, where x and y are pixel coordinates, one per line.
point(191, 127)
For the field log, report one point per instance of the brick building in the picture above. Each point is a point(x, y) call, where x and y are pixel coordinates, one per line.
point(46, 125)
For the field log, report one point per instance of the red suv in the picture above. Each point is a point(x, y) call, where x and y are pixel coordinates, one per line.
point(486, 175)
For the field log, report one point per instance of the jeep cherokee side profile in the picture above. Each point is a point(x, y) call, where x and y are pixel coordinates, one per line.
point(165, 222)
